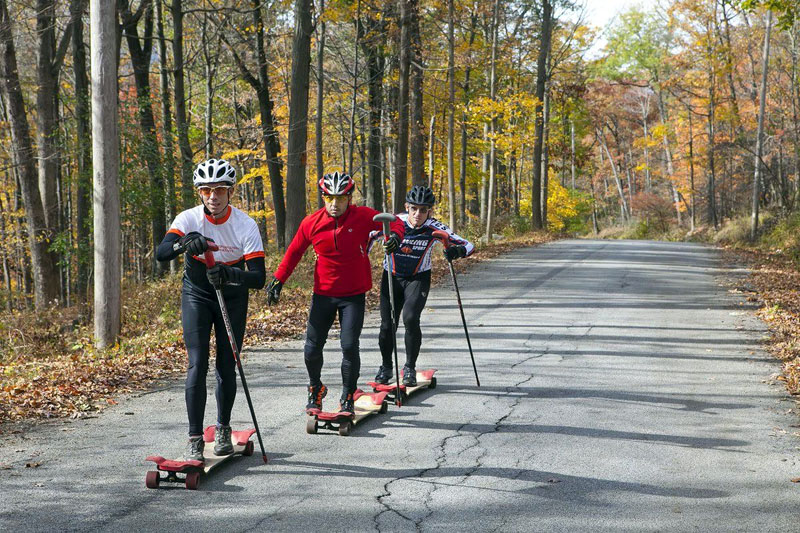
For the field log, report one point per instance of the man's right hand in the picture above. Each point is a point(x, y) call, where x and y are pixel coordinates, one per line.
point(193, 243)
point(274, 291)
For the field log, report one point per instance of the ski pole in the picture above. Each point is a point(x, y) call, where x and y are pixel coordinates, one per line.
point(445, 238)
point(385, 219)
point(209, 257)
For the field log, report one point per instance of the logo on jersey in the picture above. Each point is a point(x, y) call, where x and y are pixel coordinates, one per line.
point(406, 249)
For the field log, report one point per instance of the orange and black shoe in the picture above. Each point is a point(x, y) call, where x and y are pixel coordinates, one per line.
point(315, 395)
point(346, 403)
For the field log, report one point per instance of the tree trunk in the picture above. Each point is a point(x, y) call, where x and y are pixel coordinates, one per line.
point(84, 145)
point(141, 53)
point(417, 135)
point(181, 122)
point(166, 131)
point(373, 44)
point(546, 154)
point(320, 99)
point(401, 155)
point(272, 146)
point(43, 262)
point(451, 104)
point(760, 130)
point(462, 178)
point(712, 208)
point(623, 202)
point(210, 63)
point(431, 150)
point(691, 167)
point(298, 119)
point(48, 68)
point(354, 99)
point(105, 154)
point(538, 221)
point(493, 143)
point(484, 185)
point(572, 151)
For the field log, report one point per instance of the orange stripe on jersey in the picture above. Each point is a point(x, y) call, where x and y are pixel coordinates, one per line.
point(176, 232)
point(253, 255)
point(203, 260)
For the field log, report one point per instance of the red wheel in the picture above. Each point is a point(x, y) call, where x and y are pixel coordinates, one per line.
point(344, 428)
point(192, 480)
point(248, 448)
point(152, 479)
point(311, 425)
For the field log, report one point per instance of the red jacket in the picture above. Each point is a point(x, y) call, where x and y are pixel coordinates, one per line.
point(342, 267)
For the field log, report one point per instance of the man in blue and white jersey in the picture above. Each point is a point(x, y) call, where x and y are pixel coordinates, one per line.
point(410, 265)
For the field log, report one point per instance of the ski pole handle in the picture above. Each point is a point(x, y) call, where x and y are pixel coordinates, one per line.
point(208, 254)
point(442, 236)
point(385, 219)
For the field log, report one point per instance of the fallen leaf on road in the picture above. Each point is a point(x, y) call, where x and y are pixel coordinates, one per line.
point(795, 480)
point(33, 464)
point(553, 480)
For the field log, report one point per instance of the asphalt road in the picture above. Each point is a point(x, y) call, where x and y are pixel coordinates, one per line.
point(623, 389)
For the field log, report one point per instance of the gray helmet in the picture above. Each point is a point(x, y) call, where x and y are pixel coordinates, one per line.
point(421, 195)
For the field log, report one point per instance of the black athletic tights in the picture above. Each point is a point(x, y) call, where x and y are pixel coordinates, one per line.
point(320, 319)
point(200, 310)
point(410, 295)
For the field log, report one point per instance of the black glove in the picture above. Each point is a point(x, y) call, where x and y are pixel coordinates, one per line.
point(192, 243)
point(454, 252)
point(274, 291)
point(391, 244)
point(221, 274)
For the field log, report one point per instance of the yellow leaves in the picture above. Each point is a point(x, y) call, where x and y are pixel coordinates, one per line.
point(241, 153)
point(561, 205)
point(256, 172)
point(261, 213)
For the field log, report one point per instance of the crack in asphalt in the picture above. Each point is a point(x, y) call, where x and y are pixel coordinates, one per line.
point(442, 459)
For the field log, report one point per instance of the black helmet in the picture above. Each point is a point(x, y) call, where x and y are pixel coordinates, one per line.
point(421, 195)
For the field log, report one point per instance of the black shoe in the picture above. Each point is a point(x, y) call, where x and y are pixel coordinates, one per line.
point(315, 395)
point(409, 376)
point(346, 404)
point(194, 450)
point(384, 375)
point(222, 441)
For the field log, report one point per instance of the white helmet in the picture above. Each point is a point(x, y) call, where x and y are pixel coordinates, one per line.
point(336, 184)
point(214, 171)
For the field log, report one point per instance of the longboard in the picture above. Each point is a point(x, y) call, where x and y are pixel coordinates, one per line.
point(366, 404)
point(191, 470)
point(425, 379)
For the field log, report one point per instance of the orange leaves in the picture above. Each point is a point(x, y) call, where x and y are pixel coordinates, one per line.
point(775, 279)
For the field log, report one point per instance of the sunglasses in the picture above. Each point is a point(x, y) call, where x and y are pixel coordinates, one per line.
point(333, 198)
point(219, 190)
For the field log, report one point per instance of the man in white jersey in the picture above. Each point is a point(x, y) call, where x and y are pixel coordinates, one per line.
point(240, 245)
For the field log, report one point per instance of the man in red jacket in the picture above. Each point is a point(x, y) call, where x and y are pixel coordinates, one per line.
point(339, 233)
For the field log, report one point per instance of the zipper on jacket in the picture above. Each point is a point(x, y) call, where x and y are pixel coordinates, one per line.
point(335, 227)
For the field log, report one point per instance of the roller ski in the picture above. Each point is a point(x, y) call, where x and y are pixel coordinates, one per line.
point(420, 379)
point(352, 409)
point(189, 471)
